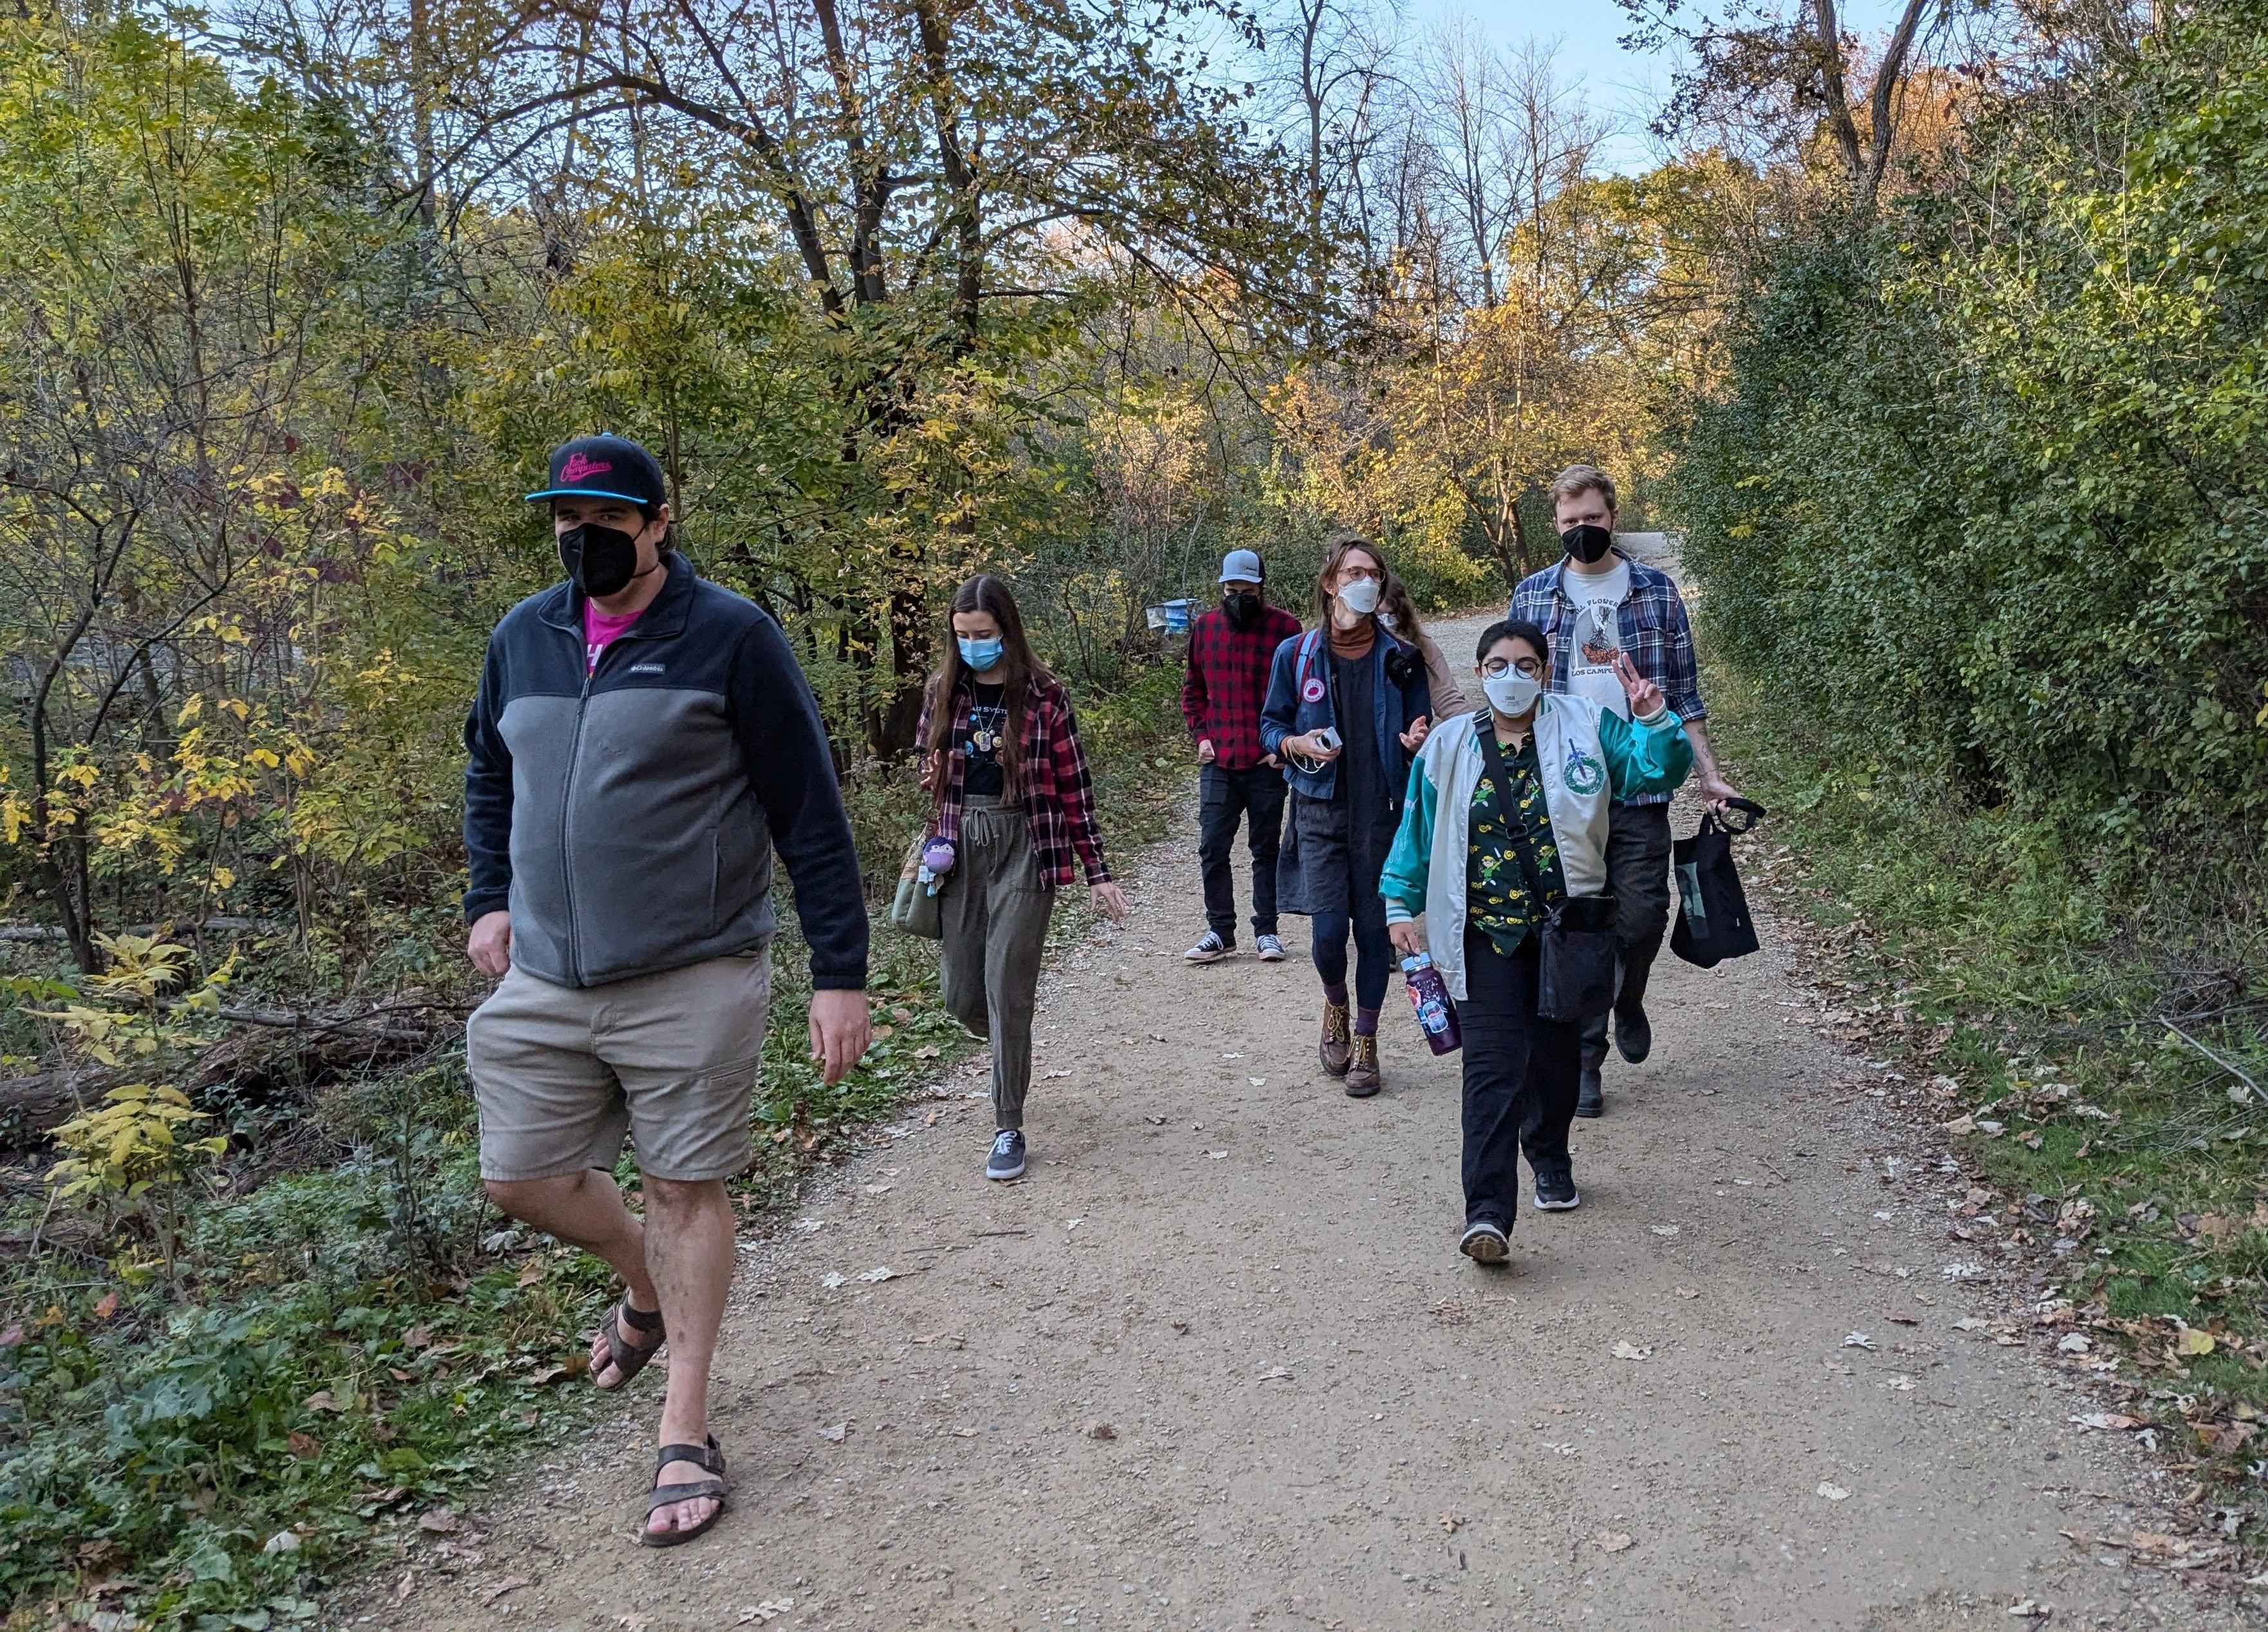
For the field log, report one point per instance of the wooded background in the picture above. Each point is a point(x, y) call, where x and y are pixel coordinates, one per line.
point(1943, 344)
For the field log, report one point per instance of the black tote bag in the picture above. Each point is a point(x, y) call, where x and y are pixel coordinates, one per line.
point(1712, 910)
point(1576, 944)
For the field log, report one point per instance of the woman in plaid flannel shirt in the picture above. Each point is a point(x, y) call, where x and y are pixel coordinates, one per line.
point(1000, 756)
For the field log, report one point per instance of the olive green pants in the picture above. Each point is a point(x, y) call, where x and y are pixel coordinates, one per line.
point(995, 911)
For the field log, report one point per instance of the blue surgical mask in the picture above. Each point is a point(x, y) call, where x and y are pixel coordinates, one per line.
point(980, 655)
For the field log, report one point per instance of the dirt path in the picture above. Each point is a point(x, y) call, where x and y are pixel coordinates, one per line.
point(1216, 1362)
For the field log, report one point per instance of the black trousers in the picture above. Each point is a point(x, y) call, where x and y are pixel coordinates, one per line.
point(1256, 795)
point(1637, 874)
point(1520, 1079)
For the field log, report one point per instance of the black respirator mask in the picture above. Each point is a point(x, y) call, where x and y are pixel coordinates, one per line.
point(1241, 609)
point(601, 561)
point(1587, 543)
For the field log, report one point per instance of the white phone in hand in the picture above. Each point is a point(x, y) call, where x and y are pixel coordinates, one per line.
point(1328, 738)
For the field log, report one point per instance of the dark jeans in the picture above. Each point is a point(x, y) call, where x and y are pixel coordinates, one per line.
point(1256, 795)
point(1520, 1079)
point(1637, 874)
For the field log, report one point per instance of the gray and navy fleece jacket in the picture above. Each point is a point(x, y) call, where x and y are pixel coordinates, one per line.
point(627, 821)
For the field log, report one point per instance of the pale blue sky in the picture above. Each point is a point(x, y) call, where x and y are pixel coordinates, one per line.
point(1625, 86)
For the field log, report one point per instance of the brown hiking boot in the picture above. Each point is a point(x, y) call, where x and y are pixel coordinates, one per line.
point(1334, 1050)
point(1363, 1078)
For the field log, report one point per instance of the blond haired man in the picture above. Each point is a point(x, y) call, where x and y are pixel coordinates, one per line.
point(1594, 605)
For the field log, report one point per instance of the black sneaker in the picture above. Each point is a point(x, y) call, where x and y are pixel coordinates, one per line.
point(1633, 1037)
point(1485, 1243)
point(1555, 1188)
point(1590, 1097)
point(1007, 1161)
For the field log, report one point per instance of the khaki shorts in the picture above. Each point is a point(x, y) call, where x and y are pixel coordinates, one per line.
point(561, 1072)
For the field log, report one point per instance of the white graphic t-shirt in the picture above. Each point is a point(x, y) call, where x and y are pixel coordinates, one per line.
point(1595, 635)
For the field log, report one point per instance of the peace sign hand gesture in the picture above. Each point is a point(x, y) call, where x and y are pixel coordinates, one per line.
point(1645, 696)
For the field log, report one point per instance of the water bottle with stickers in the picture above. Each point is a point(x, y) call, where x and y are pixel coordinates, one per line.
point(1429, 995)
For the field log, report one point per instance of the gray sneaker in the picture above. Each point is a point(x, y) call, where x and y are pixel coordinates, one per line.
point(1555, 1188)
point(1270, 949)
point(1483, 1243)
point(1007, 1161)
point(1212, 949)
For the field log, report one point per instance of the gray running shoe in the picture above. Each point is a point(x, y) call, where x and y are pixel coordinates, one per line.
point(1483, 1243)
point(1007, 1158)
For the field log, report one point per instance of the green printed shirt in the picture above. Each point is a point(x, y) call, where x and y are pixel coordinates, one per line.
point(1498, 900)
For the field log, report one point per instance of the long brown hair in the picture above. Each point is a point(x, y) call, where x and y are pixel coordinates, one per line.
point(1019, 672)
point(1336, 552)
point(1394, 601)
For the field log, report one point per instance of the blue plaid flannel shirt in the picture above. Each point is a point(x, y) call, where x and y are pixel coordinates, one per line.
point(1655, 632)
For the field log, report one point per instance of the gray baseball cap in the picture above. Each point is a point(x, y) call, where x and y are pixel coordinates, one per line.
point(1242, 566)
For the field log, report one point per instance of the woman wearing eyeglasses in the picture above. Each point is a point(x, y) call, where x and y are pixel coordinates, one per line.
point(1347, 706)
point(1496, 831)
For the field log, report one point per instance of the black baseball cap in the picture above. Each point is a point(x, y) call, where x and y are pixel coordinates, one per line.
point(613, 467)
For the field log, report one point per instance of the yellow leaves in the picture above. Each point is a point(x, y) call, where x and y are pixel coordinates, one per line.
point(131, 1144)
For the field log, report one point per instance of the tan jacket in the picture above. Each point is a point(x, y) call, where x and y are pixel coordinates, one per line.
point(1448, 697)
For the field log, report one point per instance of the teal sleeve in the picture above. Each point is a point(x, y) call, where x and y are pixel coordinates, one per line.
point(1409, 864)
point(1645, 759)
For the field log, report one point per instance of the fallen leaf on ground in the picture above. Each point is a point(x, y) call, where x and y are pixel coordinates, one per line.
point(510, 1584)
point(304, 1446)
point(1612, 1540)
point(832, 1279)
point(531, 1273)
point(2074, 1343)
point(419, 1337)
point(1833, 1492)
point(770, 1609)
point(2193, 1341)
point(879, 1273)
point(440, 1521)
point(1450, 1522)
point(1102, 1430)
point(836, 1432)
point(1665, 1228)
point(1688, 1291)
point(1217, 1155)
point(1899, 1382)
point(2029, 1609)
point(1632, 1351)
point(2107, 1421)
point(321, 1400)
point(106, 1306)
point(1858, 1340)
point(282, 1541)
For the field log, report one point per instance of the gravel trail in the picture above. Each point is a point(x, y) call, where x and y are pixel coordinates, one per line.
point(1216, 1362)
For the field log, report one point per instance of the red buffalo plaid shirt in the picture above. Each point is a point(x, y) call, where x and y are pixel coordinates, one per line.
point(1228, 681)
point(1058, 795)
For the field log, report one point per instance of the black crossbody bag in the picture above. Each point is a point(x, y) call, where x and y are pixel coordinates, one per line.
point(1576, 945)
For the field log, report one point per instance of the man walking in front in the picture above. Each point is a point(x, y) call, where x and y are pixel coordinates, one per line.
point(1230, 649)
point(641, 741)
point(1594, 605)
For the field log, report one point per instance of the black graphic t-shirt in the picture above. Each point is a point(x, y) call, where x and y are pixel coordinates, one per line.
point(980, 746)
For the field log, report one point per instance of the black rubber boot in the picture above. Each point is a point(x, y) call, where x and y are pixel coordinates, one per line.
point(1590, 1098)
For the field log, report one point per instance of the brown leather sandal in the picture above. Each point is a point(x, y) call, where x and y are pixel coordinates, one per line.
point(711, 1456)
point(627, 1360)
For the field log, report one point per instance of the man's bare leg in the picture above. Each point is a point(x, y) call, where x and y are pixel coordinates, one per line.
point(689, 1248)
point(586, 1209)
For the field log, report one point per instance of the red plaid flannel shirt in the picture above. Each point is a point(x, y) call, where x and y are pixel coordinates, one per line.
point(1228, 681)
point(1058, 795)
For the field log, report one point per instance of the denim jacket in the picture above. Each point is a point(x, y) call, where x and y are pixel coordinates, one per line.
point(1301, 699)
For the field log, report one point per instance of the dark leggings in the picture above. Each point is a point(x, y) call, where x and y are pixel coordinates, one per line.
point(1374, 953)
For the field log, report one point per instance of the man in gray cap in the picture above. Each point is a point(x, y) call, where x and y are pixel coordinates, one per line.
point(1231, 647)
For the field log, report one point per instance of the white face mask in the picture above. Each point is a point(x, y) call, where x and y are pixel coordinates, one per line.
point(1359, 596)
point(1512, 694)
